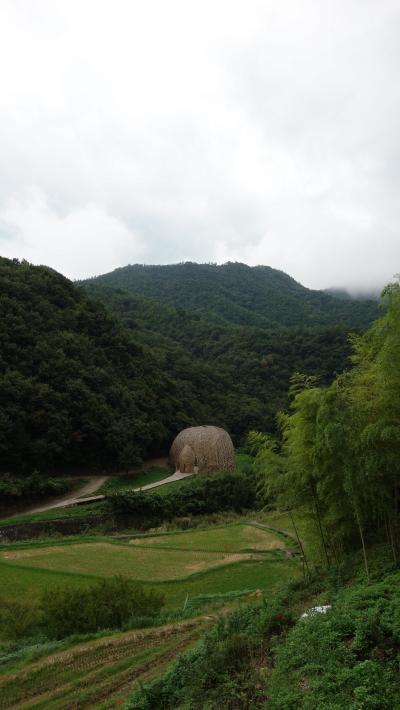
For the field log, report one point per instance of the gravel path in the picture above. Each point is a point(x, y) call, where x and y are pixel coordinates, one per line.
point(93, 484)
point(177, 476)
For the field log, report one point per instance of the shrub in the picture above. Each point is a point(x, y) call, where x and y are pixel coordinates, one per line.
point(201, 496)
point(16, 619)
point(346, 658)
point(107, 604)
point(218, 673)
point(33, 486)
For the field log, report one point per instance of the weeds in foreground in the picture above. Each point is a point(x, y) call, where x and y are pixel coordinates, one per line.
point(267, 656)
point(107, 604)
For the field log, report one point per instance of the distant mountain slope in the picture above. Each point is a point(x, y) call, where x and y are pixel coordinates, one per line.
point(240, 373)
point(239, 294)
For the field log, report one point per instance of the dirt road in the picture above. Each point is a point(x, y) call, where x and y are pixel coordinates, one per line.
point(93, 484)
point(86, 492)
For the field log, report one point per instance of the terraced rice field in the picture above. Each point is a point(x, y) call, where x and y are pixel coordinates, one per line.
point(182, 565)
point(213, 561)
point(106, 559)
point(99, 673)
point(151, 558)
point(235, 538)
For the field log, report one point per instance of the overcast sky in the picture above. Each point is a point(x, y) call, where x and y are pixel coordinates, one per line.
point(158, 131)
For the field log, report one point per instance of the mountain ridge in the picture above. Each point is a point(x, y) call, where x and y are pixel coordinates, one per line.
point(104, 375)
point(239, 294)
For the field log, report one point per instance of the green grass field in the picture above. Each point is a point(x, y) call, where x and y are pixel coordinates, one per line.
point(305, 524)
point(155, 474)
point(193, 569)
point(29, 583)
point(183, 566)
point(237, 537)
point(213, 561)
point(101, 672)
point(242, 461)
point(105, 559)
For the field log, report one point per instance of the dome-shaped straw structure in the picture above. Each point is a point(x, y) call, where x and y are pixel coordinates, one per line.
point(207, 448)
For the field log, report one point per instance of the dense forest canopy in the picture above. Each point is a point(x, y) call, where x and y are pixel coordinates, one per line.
point(75, 387)
point(240, 374)
point(240, 294)
point(95, 376)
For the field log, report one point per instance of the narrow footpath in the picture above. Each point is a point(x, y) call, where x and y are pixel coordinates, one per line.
point(87, 493)
point(93, 484)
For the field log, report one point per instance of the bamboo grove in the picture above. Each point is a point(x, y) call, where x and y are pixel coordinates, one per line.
point(338, 454)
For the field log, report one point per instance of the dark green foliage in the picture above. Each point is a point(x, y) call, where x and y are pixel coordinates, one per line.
point(81, 384)
point(201, 495)
point(348, 658)
point(235, 293)
point(34, 486)
point(17, 619)
point(236, 376)
point(107, 604)
point(221, 671)
point(267, 656)
point(75, 386)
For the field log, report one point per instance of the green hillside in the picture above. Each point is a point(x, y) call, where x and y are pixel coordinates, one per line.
point(239, 374)
point(240, 294)
point(75, 385)
point(101, 377)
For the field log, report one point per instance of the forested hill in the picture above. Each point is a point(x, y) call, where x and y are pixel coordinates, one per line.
point(100, 377)
point(235, 376)
point(240, 294)
point(76, 387)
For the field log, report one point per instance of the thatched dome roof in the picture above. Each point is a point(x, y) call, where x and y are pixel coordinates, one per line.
point(210, 446)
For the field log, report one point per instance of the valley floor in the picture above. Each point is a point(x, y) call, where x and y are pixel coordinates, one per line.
point(205, 572)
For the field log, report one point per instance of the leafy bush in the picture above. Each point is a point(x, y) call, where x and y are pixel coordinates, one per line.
point(348, 658)
point(33, 486)
point(264, 654)
point(107, 604)
point(204, 495)
point(16, 619)
point(221, 670)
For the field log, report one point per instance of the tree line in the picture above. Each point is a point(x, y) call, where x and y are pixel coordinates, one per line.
point(338, 449)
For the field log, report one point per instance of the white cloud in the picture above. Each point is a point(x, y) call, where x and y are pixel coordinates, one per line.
point(80, 243)
point(262, 131)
